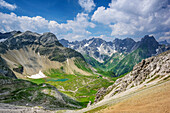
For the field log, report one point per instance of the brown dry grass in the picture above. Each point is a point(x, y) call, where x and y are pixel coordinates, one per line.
point(151, 100)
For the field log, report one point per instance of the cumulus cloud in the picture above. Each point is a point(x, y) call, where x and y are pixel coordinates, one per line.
point(7, 5)
point(88, 5)
point(74, 28)
point(165, 36)
point(133, 17)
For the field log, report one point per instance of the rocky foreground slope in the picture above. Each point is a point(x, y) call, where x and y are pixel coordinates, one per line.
point(148, 71)
point(152, 99)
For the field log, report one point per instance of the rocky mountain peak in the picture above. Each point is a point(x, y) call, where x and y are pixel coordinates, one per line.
point(150, 43)
point(8, 34)
point(124, 45)
point(148, 38)
point(28, 33)
point(129, 40)
point(48, 38)
point(64, 42)
point(96, 42)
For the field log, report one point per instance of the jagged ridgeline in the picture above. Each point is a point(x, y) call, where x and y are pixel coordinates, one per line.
point(27, 53)
point(118, 56)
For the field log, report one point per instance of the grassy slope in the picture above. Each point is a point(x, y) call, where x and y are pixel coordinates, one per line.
point(82, 88)
point(93, 62)
point(113, 60)
point(108, 67)
point(127, 63)
point(119, 63)
point(81, 64)
point(25, 93)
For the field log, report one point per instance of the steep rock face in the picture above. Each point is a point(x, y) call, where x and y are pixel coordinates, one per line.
point(4, 70)
point(149, 43)
point(27, 53)
point(124, 45)
point(51, 40)
point(96, 48)
point(151, 70)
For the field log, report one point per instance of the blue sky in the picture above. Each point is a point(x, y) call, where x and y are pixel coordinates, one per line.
point(83, 19)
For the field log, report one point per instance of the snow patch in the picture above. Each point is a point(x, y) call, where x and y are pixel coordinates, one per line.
point(36, 76)
point(38, 54)
point(99, 49)
point(86, 45)
point(67, 61)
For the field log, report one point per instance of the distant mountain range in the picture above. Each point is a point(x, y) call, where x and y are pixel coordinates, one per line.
point(119, 55)
point(99, 49)
point(164, 42)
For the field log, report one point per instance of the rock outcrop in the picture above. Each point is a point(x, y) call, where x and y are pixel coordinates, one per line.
point(148, 71)
point(4, 70)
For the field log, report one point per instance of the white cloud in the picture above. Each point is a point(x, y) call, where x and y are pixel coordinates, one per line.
point(129, 17)
point(88, 5)
point(74, 28)
point(11, 22)
point(7, 5)
point(166, 36)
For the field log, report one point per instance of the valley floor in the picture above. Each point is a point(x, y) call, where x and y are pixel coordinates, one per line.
point(154, 99)
point(150, 99)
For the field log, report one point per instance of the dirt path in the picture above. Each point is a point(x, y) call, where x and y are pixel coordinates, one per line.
point(152, 100)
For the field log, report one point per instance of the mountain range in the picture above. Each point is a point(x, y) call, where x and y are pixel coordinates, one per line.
point(115, 56)
point(33, 52)
point(37, 70)
point(118, 56)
